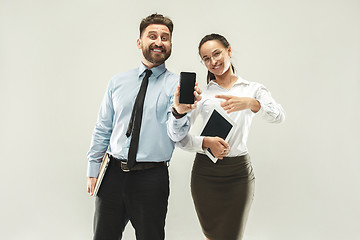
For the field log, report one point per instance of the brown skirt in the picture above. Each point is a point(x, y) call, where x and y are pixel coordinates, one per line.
point(222, 194)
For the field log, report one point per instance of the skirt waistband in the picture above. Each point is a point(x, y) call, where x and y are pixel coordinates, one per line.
point(226, 160)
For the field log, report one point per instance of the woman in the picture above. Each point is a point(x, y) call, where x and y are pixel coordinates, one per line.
point(223, 191)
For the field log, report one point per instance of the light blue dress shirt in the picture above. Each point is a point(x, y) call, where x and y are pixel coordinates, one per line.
point(157, 125)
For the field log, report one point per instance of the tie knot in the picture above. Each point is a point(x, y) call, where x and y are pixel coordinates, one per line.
point(148, 72)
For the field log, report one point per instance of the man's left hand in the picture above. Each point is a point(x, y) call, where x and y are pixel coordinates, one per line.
point(184, 108)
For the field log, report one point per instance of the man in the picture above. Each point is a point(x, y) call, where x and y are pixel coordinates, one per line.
point(134, 130)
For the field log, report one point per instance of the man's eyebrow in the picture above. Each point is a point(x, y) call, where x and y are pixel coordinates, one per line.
point(162, 33)
point(165, 34)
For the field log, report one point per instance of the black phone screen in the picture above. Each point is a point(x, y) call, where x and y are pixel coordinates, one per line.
point(187, 84)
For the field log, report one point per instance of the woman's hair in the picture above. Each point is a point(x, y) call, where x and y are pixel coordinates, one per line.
point(156, 19)
point(223, 41)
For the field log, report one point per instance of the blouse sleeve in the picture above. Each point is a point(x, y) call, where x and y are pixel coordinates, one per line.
point(191, 142)
point(270, 110)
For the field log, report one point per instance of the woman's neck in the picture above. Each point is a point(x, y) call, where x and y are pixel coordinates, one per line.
point(227, 79)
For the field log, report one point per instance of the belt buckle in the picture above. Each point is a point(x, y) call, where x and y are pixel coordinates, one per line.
point(124, 167)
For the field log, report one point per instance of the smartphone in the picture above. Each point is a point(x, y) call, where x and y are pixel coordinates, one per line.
point(187, 84)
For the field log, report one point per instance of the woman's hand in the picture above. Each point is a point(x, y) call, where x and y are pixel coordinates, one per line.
point(218, 146)
point(91, 185)
point(233, 104)
point(184, 108)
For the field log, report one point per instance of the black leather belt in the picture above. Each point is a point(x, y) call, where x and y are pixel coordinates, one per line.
point(138, 165)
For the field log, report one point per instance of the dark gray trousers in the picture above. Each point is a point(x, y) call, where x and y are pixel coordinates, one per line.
point(140, 197)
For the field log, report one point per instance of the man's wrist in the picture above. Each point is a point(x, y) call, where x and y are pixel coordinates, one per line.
point(176, 114)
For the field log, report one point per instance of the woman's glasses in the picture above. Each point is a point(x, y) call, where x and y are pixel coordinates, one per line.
point(215, 56)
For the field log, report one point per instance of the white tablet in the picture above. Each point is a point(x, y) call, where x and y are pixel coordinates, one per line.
point(217, 124)
point(103, 167)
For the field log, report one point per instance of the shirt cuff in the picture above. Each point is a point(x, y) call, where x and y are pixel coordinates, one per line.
point(93, 168)
point(179, 122)
point(198, 142)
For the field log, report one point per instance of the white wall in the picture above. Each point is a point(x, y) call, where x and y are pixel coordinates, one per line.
point(56, 58)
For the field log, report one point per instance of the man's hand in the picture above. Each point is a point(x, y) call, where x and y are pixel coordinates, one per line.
point(233, 104)
point(184, 108)
point(218, 146)
point(91, 185)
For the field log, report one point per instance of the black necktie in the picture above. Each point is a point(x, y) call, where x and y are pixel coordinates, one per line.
point(135, 121)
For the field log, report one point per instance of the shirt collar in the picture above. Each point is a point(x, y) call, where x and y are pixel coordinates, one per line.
point(241, 81)
point(156, 71)
point(238, 82)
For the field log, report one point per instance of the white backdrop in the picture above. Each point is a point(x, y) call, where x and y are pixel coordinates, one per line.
point(56, 58)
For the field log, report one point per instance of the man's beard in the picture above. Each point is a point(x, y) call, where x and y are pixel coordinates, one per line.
point(156, 61)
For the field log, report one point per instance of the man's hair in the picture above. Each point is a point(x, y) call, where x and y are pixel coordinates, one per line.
point(156, 19)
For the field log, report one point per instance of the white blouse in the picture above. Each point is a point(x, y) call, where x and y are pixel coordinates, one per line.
point(270, 110)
